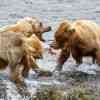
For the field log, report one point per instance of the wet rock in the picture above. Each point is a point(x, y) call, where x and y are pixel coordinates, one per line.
point(3, 94)
point(83, 93)
point(49, 94)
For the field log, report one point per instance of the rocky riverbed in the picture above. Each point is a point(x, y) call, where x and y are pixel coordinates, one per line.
point(74, 82)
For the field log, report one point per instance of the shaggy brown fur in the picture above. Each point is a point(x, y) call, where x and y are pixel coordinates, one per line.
point(19, 52)
point(81, 38)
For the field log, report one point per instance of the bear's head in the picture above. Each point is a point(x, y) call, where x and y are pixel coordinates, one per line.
point(33, 47)
point(62, 35)
point(34, 26)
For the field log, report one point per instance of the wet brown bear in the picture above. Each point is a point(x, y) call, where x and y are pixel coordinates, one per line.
point(19, 52)
point(81, 38)
point(28, 26)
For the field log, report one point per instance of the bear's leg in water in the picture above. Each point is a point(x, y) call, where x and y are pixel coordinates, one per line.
point(64, 55)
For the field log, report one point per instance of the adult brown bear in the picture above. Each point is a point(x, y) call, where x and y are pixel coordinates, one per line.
point(19, 52)
point(28, 26)
point(81, 38)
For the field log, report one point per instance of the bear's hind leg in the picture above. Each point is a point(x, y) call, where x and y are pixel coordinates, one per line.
point(76, 54)
point(98, 57)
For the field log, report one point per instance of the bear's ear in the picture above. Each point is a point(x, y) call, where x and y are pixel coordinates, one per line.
point(71, 30)
point(66, 30)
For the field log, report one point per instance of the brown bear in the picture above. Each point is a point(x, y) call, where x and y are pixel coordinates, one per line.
point(81, 38)
point(19, 53)
point(28, 26)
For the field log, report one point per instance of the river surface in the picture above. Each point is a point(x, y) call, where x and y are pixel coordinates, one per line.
point(51, 12)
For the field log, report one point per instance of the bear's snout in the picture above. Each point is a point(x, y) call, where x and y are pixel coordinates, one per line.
point(47, 29)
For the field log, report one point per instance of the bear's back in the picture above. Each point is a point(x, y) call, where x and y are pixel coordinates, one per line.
point(88, 31)
point(10, 45)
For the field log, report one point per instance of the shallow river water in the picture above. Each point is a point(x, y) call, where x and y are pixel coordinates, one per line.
point(52, 12)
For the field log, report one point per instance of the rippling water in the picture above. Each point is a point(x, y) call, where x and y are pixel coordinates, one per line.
point(51, 12)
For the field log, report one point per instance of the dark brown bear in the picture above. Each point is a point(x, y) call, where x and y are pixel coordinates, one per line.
point(81, 38)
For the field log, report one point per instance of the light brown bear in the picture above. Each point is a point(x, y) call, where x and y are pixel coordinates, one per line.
point(28, 26)
point(19, 53)
point(81, 38)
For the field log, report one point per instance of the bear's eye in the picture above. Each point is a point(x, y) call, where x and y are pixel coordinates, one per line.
point(40, 24)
